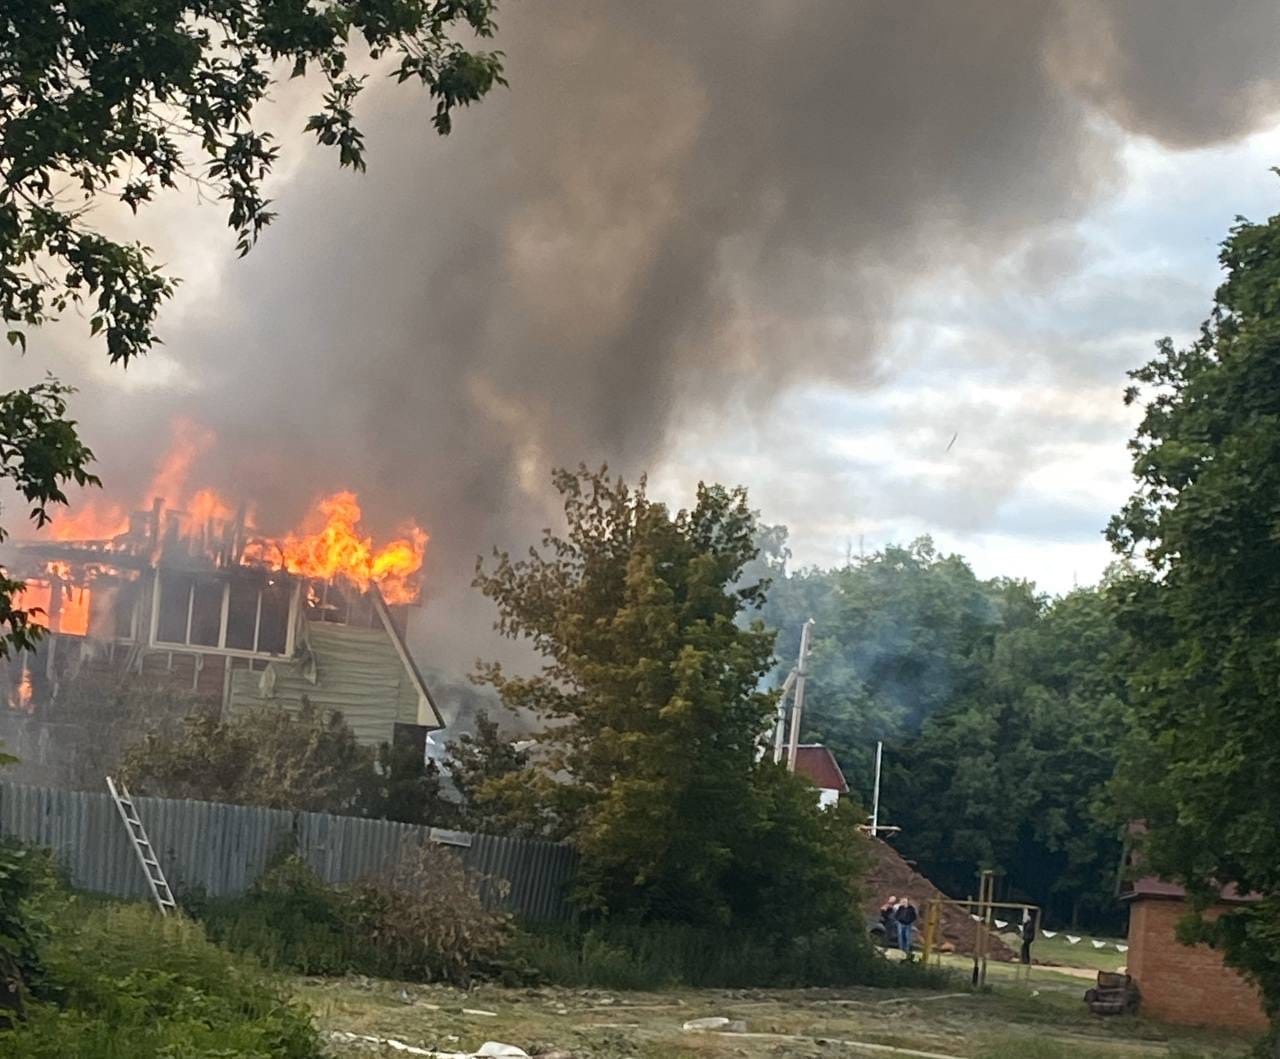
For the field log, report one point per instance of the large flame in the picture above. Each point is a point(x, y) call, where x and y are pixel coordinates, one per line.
point(62, 605)
point(91, 521)
point(99, 520)
point(331, 545)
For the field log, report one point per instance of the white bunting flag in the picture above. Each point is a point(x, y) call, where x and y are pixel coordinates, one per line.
point(1122, 948)
point(1049, 933)
point(1001, 924)
point(1072, 939)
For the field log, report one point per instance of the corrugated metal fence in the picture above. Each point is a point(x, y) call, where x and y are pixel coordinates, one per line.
point(222, 849)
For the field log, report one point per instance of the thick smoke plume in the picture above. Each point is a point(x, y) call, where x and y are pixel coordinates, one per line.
point(676, 204)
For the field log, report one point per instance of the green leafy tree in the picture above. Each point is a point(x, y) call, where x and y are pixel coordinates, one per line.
point(502, 793)
point(899, 635)
point(1204, 524)
point(1001, 712)
point(308, 760)
point(653, 684)
point(125, 99)
point(1010, 777)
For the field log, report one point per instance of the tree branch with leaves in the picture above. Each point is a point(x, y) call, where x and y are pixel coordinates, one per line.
point(125, 99)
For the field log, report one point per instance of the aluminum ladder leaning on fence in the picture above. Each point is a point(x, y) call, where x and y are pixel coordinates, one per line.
point(156, 881)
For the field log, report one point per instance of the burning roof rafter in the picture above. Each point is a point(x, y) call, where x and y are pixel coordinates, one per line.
point(329, 547)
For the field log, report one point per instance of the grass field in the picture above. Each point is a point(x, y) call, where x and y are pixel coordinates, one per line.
point(1057, 950)
point(1043, 1019)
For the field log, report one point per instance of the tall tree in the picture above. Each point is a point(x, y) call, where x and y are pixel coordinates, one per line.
point(1010, 777)
point(124, 99)
point(1202, 611)
point(899, 635)
point(652, 683)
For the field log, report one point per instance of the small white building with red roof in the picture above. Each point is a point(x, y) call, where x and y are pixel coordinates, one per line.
point(817, 764)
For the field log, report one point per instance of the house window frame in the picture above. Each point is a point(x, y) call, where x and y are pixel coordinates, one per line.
point(220, 648)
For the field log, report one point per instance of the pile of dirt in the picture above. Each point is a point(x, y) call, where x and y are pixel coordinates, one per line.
point(891, 876)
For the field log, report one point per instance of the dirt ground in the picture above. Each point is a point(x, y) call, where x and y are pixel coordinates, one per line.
point(1043, 1018)
point(888, 875)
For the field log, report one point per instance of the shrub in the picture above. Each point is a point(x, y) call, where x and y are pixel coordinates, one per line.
point(428, 918)
point(425, 920)
point(134, 985)
point(289, 920)
point(27, 879)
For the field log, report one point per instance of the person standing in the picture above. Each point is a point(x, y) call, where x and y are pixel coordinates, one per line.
point(1028, 934)
point(887, 923)
point(905, 916)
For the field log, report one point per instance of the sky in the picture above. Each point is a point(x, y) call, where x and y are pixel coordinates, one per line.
point(1027, 378)
point(884, 265)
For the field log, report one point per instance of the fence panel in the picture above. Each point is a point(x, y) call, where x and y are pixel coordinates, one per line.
point(221, 849)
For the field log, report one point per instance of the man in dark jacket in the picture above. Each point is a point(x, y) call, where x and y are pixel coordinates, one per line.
point(905, 916)
point(1028, 934)
point(887, 923)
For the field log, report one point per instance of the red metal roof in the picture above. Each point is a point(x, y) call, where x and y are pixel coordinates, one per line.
point(817, 763)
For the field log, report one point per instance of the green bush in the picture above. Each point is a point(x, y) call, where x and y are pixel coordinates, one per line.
point(289, 920)
point(423, 920)
point(132, 985)
point(28, 879)
point(657, 956)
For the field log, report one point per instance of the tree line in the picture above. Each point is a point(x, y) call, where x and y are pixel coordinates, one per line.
point(1001, 710)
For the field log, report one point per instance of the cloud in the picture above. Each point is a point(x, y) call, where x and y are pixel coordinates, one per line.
point(678, 213)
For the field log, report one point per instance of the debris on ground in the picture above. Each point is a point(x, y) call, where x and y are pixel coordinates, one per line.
point(488, 1050)
point(715, 1024)
point(1115, 994)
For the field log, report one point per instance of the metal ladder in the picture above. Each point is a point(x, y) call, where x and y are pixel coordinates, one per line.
point(142, 847)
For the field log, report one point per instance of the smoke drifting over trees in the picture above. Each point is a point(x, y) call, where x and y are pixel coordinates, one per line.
point(674, 206)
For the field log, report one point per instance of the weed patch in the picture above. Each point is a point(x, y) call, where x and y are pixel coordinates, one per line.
point(131, 985)
point(658, 956)
point(423, 921)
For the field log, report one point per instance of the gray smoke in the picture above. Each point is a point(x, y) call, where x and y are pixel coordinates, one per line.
point(675, 205)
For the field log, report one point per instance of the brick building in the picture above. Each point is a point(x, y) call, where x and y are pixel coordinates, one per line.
point(1179, 983)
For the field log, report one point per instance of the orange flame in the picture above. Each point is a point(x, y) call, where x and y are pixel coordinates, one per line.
point(98, 520)
point(329, 545)
point(208, 506)
point(73, 611)
point(92, 522)
point(38, 595)
point(65, 612)
point(334, 547)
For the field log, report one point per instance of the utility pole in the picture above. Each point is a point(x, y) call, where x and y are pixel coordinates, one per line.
point(797, 711)
point(780, 726)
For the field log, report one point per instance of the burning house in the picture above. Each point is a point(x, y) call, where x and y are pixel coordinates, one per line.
point(197, 597)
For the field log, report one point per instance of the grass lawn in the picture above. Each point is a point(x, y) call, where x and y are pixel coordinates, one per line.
point(1044, 1019)
point(1057, 950)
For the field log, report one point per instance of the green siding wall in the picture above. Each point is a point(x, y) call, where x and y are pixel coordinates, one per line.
point(355, 670)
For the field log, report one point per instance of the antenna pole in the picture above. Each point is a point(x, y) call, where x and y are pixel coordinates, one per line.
point(875, 797)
